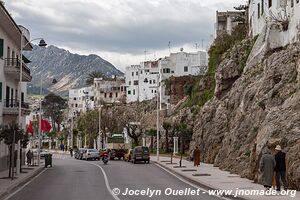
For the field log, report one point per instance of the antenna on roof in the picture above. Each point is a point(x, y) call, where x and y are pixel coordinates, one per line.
point(145, 54)
point(196, 45)
point(181, 49)
point(169, 47)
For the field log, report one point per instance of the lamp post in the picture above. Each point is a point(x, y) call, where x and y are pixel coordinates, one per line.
point(42, 43)
point(157, 115)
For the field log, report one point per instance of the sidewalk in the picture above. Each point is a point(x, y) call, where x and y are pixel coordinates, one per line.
point(7, 186)
point(209, 177)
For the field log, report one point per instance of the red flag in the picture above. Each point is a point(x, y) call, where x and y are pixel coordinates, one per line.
point(45, 126)
point(29, 127)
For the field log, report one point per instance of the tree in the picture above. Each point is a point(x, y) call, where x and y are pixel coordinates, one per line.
point(152, 133)
point(11, 134)
point(53, 106)
point(92, 76)
point(167, 126)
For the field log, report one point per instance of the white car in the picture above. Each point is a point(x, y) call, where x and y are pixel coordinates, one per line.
point(92, 154)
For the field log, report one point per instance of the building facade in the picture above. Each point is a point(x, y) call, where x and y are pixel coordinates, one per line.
point(80, 100)
point(281, 18)
point(226, 21)
point(109, 90)
point(12, 39)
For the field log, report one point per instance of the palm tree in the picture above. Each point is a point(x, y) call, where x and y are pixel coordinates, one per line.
point(91, 76)
point(167, 126)
point(151, 132)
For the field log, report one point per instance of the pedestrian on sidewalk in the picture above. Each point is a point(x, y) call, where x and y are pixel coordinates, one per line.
point(29, 156)
point(196, 156)
point(71, 151)
point(280, 168)
point(267, 166)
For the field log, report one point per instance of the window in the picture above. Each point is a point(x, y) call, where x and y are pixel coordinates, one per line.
point(132, 73)
point(262, 7)
point(8, 52)
point(74, 98)
point(186, 69)
point(270, 3)
point(133, 92)
point(166, 70)
point(129, 92)
point(258, 10)
point(292, 3)
point(122, 89)
point(135, 82)
point(150, 81)
point(297, 1)
point(136, 73)
point(153, 81)
point(1, 48)
point(116, 95)
point(110, 95)
point(105, 95)
point(0, 91)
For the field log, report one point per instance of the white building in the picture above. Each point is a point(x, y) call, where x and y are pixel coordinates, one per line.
point(80, 100)
point(10, 54)
point(109, 90)
point(181, 64)
point(142, 81)
point(264, 15)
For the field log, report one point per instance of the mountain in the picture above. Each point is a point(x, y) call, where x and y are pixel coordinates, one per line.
point(70, 70)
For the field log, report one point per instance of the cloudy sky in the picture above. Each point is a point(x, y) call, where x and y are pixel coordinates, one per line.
point(120, 31)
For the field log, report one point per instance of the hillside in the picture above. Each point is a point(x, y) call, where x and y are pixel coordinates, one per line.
point(70, 70)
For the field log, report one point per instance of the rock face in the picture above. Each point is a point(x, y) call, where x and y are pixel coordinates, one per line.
point(70, 70)
point(259, 108)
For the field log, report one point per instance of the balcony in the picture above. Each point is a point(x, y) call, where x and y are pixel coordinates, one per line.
point(12, 68)
point(11, 107)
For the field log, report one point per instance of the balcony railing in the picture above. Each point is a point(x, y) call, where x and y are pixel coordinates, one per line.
point(12, 66)
point(11, 107)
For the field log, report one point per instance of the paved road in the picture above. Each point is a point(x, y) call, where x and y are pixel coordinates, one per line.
point(71, 179)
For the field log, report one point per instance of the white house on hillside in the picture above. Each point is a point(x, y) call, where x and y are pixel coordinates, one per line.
point(80, 100)
point(267, 13)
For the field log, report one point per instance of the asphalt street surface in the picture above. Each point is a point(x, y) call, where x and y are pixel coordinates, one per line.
point(71, 179)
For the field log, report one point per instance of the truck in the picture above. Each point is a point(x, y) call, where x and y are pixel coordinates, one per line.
point(117, 147)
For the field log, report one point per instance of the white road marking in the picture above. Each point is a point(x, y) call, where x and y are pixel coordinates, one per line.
point(186, 182)
point(22, 187)
point(106, 181)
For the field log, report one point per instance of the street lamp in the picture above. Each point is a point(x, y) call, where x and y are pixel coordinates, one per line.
point(157, 116)
point(42, 43)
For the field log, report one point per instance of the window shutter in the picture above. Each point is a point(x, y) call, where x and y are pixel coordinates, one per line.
point(1, 48)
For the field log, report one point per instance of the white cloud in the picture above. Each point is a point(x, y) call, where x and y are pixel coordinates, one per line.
point(120, 30)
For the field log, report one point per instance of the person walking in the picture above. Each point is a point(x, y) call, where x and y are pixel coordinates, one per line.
point(196, 156)
point(280, 168)
point(29, 156)
point(71, 151)
point(267, 165)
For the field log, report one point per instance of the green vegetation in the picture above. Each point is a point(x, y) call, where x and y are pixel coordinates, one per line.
point(199, 96)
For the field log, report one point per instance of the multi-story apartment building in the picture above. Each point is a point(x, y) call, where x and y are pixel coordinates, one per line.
point(227, 21)
point(279, 18)
point(109, 90)
point(144, 81)
point(11, 37)
point(80, 100)
point(181, 64)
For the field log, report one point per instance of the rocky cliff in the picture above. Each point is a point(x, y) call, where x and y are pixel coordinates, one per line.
point(70, 70)
point(253, 108)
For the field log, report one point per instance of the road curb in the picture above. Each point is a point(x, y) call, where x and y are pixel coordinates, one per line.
point(199, 184)
point(16, 185)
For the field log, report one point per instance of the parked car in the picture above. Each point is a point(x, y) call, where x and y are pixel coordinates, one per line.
point(141, 153)
point(128, 155)
point(79, 153)
point(92, 154)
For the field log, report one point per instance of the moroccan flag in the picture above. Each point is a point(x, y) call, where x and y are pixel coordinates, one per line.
point(46, 126)
point(29, 127)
